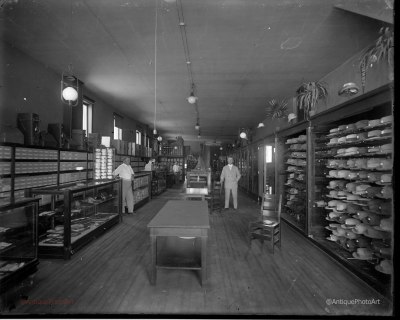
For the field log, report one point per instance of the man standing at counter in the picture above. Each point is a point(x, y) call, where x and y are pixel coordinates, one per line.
point(125, 172)
point(230, 175)
point(176, 169)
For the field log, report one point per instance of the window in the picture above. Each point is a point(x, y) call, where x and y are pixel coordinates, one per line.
point(117, 127)
point(138, 137)
point(87, 115)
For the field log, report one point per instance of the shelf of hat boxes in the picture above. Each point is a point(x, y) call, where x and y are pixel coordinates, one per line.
point(23, 167)
point(353, 210)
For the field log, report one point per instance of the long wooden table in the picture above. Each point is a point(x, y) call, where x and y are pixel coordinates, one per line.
point(179, 221)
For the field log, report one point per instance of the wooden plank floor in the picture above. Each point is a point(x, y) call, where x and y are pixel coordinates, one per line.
point(111, 275)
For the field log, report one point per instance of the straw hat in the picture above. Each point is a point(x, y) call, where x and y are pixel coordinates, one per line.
point(374, 123)
point(385, 266)
point(387, 119)
point(362, 124)
point(363, 254)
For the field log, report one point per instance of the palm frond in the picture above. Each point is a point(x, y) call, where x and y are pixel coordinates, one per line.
point(276, 109)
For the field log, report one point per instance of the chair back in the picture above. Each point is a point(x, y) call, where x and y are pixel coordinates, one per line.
point(271, 207)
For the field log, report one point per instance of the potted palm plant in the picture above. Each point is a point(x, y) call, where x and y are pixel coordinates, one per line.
point(277, 109)
point(308, 95)
point(382, 49)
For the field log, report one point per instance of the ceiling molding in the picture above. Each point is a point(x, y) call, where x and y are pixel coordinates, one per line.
point(379, 10)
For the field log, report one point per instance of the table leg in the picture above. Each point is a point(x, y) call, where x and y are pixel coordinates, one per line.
point(153, 271)
point(203, 260)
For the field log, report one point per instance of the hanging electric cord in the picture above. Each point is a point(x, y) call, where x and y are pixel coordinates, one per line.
point(155, 68)
point(181, 21)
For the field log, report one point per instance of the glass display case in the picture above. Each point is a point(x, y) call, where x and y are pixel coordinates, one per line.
point(158, 182)
point(18, 241)
point(141, 188)
point(70, 216)
point(352, 211)
point(291, 177)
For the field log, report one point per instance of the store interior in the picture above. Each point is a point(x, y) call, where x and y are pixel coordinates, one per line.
point(298, 93)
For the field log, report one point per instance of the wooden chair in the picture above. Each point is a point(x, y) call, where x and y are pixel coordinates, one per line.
point(268, 227)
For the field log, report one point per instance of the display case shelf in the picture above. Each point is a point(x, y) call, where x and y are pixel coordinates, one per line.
point(19, 238)
point(73, 215)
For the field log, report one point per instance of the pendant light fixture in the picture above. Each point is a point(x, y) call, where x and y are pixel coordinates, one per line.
point(155, 67)
point(69, 87)
point(69, 83)
point(192, 99)
point(260, 125)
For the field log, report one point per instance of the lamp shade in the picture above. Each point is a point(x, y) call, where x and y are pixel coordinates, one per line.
point(192, 99)
point(197, 127)
point(155, 131)
point(260, 125)
point(70, 94)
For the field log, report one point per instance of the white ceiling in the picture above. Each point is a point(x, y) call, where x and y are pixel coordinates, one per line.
point(243, 52)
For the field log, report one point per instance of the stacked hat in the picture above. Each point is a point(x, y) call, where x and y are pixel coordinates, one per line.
point(360, 228)
point(341, 152)
point(385, 178)
point(333, 141)
point(379, 206)
point(339, 232)
point(362, 124)
point(320, 203)
point(351, 126)
point(334, 215)
point(333, 193)
point(386, 132)
point(351, 186)
point(385, 164)
point(342, 140)
point(361, 163)
point(352, 208)
point(353, 197)
point(332, 203)
point(341, 206)
point(374, 123)
point(342, 194)
point(386, 148)
point(372, 219)
point(333, 130)
point(332, 237)
point(387, 192)
point(352, 175)
point(351, 137)
point(337, 184)
point(387, 119)
point(363, 254)
point(342, 127)
point(373, 191)
point(374, 134)
point(361, 189)
point(361, 215)
point(350, 244)
point(374, 163)
point(385, 266)
point(362, 175)
point(343, 174)
point(342, 218)
point(362, 136)
point(351, 235)
point(385, 225)
point(351, 222)
point(374, 149)
point(376, 234)
point(302, 138)
point(374, 176)
point(351, 163)
point(363, 242)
